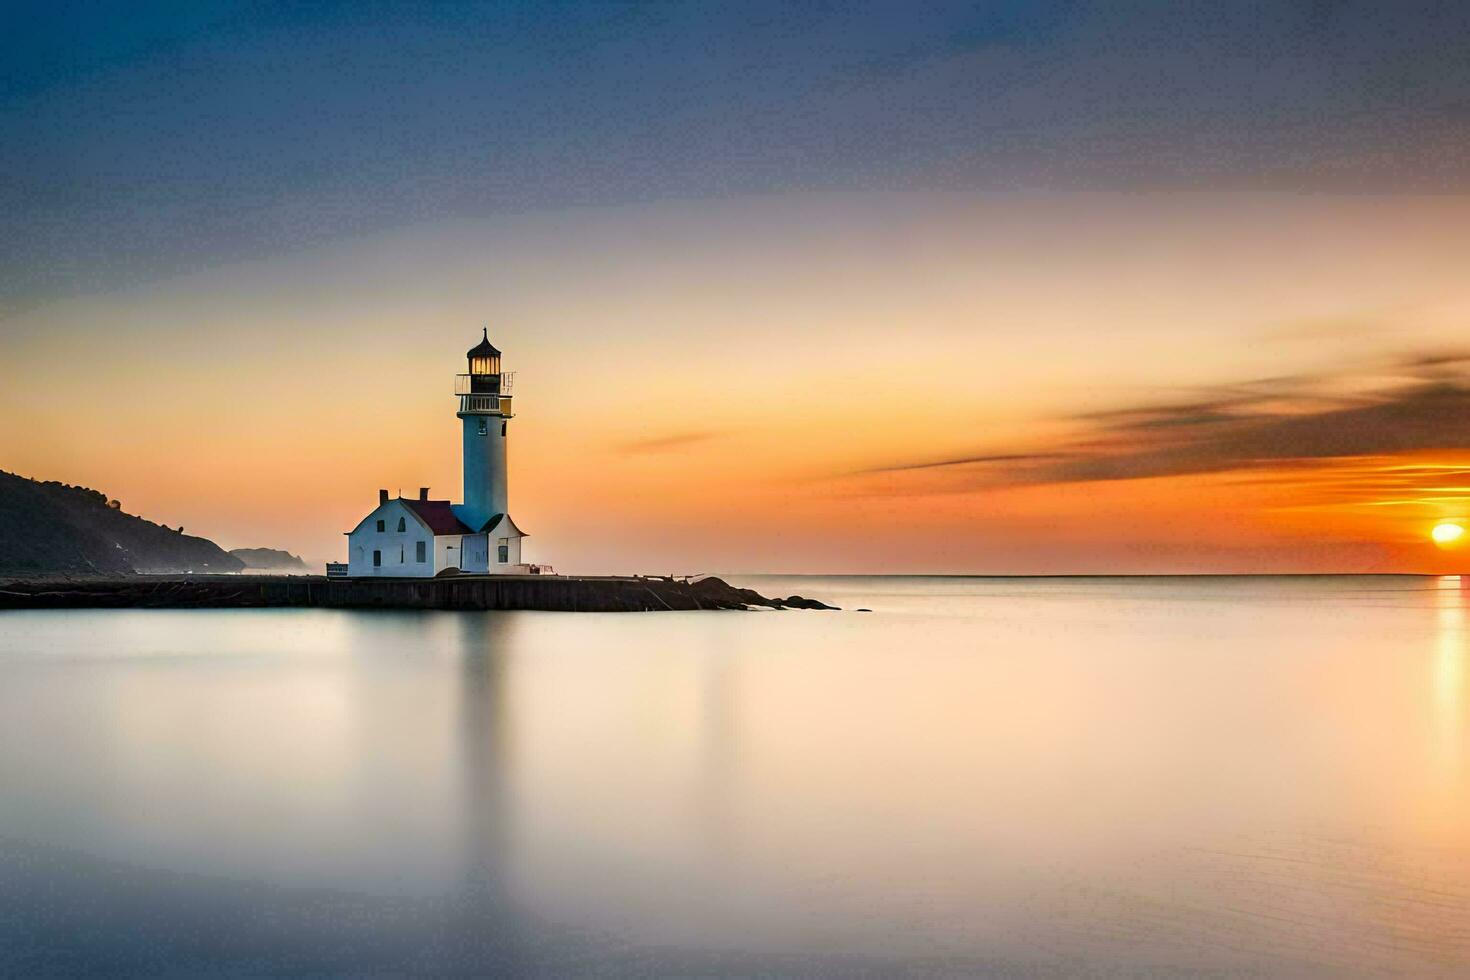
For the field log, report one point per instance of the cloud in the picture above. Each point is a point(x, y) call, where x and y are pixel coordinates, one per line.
point(964, 461)
point(667, 444)
point(1416, 403)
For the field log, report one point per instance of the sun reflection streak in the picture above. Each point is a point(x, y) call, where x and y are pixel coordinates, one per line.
point(1449, 673)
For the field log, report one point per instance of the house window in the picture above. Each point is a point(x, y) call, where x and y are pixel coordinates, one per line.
point(382, 526)
point(377, 557)
point(401, 525)
point(420, 551)
point(502, 428)
point(504, 551)
point(484, 427)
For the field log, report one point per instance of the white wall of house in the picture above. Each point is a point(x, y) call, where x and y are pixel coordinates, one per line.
point(397, 550)
point(512, 545)
point(481, 554)
point(447, 548)
point(504, 535)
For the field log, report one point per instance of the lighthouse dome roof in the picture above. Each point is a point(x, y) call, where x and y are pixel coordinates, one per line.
point(484, 348)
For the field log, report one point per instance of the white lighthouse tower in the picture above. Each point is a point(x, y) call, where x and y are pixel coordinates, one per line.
point(417, 537)
point(485, 414)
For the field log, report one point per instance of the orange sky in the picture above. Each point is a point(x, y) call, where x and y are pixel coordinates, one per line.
point(764, 383)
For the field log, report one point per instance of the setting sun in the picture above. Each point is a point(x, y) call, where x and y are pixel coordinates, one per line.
point(1446, 533)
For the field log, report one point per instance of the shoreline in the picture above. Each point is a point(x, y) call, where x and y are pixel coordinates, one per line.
point(547, 593)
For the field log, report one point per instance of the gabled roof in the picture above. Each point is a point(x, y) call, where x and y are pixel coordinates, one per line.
point(505, 525)
point(437, 516)
point(484, 348)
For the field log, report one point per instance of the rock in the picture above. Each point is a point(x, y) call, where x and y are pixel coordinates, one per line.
point(727, 596)
point(800, 602)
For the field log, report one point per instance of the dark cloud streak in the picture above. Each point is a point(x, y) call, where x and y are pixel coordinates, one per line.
point(1238, 432)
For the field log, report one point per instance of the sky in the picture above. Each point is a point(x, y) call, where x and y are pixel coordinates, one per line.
point(992, 288)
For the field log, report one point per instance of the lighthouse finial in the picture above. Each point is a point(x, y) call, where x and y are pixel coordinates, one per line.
point(484, 348)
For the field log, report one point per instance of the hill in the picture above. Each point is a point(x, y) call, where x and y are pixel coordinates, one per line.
point(269, 559)
point(55, 529)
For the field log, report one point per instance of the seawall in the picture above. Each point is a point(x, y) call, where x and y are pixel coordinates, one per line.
point(553, 593)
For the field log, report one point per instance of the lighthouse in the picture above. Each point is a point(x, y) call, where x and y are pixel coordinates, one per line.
point(485, 414)
point(418, 536)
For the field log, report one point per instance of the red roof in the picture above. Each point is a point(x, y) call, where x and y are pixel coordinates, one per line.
point(438, 515)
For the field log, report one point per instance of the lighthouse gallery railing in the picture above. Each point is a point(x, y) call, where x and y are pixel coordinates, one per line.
point(475, 404)
point(463, 384)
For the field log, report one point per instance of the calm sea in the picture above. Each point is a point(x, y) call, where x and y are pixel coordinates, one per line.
point(1032, 777)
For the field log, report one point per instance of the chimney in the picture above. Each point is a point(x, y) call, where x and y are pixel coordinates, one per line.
point(382, 497)
point(423, 493)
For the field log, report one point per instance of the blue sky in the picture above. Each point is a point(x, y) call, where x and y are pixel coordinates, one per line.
point(142, 142)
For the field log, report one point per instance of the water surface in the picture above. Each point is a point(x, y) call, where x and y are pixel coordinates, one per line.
point(1020, 777)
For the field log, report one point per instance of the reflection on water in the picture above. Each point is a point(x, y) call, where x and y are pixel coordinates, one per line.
point(1046, 777)
point(1449, 673)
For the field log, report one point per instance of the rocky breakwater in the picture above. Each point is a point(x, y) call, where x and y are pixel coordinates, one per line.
point(554, 593)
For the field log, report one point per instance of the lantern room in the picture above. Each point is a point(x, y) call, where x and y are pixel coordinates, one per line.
point(484, 359)
point(485, 390)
